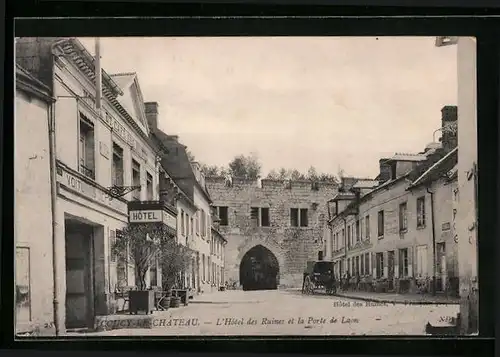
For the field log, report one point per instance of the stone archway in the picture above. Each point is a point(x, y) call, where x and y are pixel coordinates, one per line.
point(259, 269)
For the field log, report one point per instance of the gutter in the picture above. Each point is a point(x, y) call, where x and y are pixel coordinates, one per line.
point(433, 243)
point(53, 194)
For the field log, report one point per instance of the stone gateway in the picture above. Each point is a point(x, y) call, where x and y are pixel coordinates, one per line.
point(273, 228)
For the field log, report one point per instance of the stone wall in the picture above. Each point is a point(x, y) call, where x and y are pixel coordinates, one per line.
point(292, 246)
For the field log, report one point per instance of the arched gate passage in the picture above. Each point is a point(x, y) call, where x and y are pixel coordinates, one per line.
point(259, 269)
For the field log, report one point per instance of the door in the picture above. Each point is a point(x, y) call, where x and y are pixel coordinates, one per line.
point(79, 290)
point(390, 269)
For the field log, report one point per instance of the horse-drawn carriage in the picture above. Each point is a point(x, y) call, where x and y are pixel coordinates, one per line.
point(319, 275)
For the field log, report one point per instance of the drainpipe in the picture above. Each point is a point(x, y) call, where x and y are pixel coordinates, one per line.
point(53, 197)
point(433, 244)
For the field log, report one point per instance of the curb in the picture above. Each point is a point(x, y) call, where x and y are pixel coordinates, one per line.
point(403, 302)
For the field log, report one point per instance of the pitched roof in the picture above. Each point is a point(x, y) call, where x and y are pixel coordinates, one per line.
point(437, 166)
point(124, 79)
point(407, 157)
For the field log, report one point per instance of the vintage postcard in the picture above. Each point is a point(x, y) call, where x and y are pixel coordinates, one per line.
point(271, 186)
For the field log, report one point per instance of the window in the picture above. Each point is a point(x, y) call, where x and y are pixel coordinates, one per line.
point(86, 148)
point(379, 258)
point(348, 236)
point(358, 233)
point(343, 237)
point(203, 224)
point(117, 166)
point(260, 216)
point(367, 227)
point(381, 223)
point(222, 212)
point(367, 264)
point(192, 226)
point(149, 187)
point(403, 217)
point(187, 225)
point(264, 217)
point(421, 212)
point(422, 260)
point(23, 284)
point(349, 265)
point(183, 232)
point(357, 265)
point(299, 217)
point(136, 180)
point(353, 268)
point(403, 262)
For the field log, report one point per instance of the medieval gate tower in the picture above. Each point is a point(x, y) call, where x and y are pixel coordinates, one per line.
point(273, 228)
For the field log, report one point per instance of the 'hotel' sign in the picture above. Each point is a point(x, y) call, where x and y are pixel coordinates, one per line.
point(152, 216)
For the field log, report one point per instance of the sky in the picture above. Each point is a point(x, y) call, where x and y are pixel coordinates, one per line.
point(328, 102)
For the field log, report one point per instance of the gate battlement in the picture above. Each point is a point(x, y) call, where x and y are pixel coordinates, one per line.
point(269, 184)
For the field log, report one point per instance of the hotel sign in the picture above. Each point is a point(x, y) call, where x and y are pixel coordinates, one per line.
point(152, 216)
point(81, 187)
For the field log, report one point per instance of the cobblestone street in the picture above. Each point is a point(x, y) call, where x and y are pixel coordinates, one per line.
point(277, 312)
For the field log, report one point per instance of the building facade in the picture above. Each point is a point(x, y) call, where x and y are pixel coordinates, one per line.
point(101, 144)
point(193, 203)
point(399, 236)
point(34, 279)
point(272, 227)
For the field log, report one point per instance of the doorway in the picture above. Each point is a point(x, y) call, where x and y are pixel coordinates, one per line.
point(79, 278)
point(259, 269)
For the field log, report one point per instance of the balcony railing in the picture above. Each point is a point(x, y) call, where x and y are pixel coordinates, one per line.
point(87, 172)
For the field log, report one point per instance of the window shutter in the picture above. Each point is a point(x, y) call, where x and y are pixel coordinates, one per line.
point(386, 258)
point(410, 261)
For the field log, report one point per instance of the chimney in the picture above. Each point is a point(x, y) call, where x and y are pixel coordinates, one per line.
point(385, 170)
point(152, 114)
point(449, 138)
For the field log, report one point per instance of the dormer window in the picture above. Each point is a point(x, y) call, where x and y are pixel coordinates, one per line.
point(393, 169)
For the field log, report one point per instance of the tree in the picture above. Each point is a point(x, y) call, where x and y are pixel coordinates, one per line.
point(273, 175)
point(312, 174)
point(247, 167)
point(210, 170)
point(140, 243)
point(174, 258)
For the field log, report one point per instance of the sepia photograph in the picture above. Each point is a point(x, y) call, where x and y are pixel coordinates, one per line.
point(245, 186)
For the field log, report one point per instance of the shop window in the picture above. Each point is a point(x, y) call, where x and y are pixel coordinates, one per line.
point(23, 284)
point(86, 148)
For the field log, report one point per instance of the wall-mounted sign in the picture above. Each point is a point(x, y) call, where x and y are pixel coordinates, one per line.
point(152, 216)
point(75, 184)
point(445, 226)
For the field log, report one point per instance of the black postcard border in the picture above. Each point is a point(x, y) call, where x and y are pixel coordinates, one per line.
point(488, 58)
